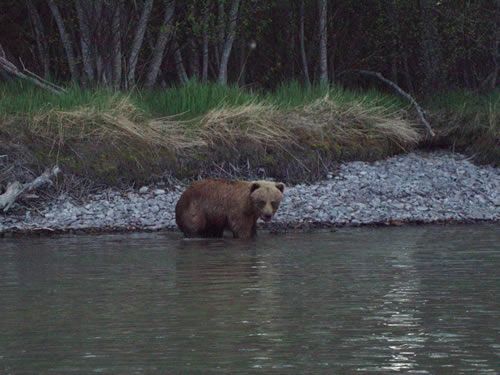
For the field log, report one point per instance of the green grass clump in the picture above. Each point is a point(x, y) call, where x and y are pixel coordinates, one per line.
point(185, 102)
point(190, 100)
point(293, 94)
point(468, 122)
point(21, 98)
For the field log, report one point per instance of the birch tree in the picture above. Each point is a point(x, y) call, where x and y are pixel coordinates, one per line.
point(179, 64)
point(205, 56)
point(303, 54)
point(164, 35)
point(41, 38)
point(228, 42)
point(137, 42)
point(116, 29)
point(495, 51)
point(83, 11)
point(323, 59)
point(65, 39)
point(431, 51)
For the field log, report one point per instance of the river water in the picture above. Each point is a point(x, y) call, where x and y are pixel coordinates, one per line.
point(414, 300)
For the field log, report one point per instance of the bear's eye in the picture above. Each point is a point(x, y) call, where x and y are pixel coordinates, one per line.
point(275, 204)
point(260, 204)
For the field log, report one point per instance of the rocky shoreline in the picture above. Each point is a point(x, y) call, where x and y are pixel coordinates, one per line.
point(436, 187)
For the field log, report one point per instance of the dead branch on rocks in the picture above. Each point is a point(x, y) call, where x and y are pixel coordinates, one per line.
point(400, 91)
point(27, 75)
point(15, 189)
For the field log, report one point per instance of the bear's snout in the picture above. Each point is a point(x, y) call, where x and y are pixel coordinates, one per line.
point(267, 217)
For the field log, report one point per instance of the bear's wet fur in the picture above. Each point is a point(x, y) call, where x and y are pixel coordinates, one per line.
point(209, 207)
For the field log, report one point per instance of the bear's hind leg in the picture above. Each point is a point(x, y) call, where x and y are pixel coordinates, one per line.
point(194, 224)
point(214, 227)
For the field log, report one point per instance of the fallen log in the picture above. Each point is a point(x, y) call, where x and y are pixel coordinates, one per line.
point(15, 189)
point(400, 91)
point(10, 68)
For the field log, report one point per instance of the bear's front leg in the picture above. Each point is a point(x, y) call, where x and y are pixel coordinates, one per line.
point(243, 228)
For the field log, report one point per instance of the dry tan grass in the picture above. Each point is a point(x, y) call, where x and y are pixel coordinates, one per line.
point(255, 123)
point(119, 138)
point(120, 119)
point(323, 123)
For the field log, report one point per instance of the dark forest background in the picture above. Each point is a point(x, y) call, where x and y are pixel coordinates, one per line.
point(422, 45)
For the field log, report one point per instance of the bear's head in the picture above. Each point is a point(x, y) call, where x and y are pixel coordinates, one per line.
point(266, 198)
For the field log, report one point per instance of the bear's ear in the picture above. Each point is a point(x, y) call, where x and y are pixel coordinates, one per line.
point(255, 186)
point(280, 186)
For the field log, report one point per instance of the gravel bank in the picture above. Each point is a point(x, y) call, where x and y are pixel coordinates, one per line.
point(413, 188)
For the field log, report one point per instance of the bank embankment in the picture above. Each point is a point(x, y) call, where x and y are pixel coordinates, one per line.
point(412, 188)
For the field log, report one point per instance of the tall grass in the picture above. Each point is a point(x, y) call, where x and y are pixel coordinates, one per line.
point(185, 102)
point(293, 132)
point(468, 122)
point(20, 98)
point(294, 94)
point(190, 100)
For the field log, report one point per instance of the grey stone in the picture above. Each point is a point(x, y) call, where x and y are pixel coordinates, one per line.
point(415, 186)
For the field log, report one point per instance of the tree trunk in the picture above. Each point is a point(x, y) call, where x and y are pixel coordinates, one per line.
point(84, 14)
point(400, 91)
point(305, 67)
point(221, 30)
point(393, 20)
point(228, 42)
point(179, 64)
point(117, 45)
point(292, 45)
point(243, 61)
point(103, 65)
point(68, 47)
point(163, 37)
point(496, 48)
point(323, 59)
point(331, 60)
point(204, 69)
point(406, 68)
point(431, 52)
point(194, 63)
point(41, 38)
point(137, 42)
point(6, 65)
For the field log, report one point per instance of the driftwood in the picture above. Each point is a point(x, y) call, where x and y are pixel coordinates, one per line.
point(400, 91)
point(15, 189)
point(27, 75)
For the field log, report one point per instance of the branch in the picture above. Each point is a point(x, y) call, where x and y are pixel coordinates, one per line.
point(15, 189)
point(26, 74)
point(400, 91)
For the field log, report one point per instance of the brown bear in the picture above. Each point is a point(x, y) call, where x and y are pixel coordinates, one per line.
point(208, 207)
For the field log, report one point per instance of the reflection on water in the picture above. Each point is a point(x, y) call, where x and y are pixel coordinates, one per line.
point(416, 300)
